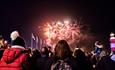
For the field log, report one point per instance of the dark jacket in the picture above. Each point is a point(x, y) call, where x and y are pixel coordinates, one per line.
point(106, 63)
point(82, 62)
point(43, 63)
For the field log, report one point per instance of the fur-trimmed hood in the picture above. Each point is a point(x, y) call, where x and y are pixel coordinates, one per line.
point(17, 46)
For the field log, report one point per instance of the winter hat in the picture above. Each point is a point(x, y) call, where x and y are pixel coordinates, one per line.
point(112, 41)
point(14, 35)
point(16, 39)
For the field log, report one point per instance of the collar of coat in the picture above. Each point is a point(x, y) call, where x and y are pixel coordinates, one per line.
point(17, 46)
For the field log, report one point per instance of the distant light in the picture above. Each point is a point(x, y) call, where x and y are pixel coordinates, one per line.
point(59, 23)
point(66, 21)
point(5, 42)
point(112, 34)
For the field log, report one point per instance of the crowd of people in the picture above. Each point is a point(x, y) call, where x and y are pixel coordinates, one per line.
point(16, 56)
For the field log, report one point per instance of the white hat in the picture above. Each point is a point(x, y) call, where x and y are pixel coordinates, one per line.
point(16, 39)
point(14, 35)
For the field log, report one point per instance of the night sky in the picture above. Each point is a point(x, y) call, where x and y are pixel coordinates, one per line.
point(22, 15)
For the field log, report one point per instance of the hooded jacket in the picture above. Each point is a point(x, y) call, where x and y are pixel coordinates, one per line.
point(14, 58)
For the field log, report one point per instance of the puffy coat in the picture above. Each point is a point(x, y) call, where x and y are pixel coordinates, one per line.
point(14, 58)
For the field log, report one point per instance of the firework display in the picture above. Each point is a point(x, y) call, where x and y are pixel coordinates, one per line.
point(58, 30)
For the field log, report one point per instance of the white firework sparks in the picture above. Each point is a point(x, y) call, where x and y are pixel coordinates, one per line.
point(67, 30)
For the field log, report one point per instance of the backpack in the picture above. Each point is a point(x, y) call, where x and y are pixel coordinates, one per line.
point(61, 65)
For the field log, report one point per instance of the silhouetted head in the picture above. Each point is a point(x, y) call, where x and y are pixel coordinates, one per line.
point(44, 51)
point(79, 55)
point(62, 50)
